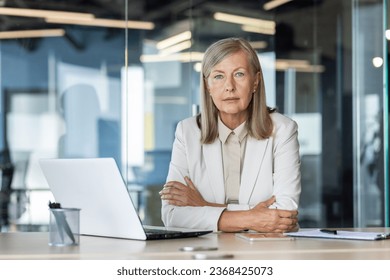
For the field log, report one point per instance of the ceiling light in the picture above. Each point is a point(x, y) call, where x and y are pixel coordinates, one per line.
point(387, 34)
point(182, 57)
point(259, 44)
point(186, 35)
point(43, 13)
point(100, 22)
point(268, 24)
point(32, 33)
point(63, 17)
point(291, 63)
point(377, 61)
point(258, 29)
point(198, 67)
point(177, 48)
point(273, 4)
point(298, 65)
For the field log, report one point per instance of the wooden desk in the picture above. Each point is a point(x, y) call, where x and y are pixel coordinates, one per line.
point(31, 246)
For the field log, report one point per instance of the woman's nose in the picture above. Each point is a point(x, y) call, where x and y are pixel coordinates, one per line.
point(229, 85)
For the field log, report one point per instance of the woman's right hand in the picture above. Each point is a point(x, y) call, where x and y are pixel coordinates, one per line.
point(261, 218)
point(272, 220)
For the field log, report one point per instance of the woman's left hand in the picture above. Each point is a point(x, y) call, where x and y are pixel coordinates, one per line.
point(178, 194)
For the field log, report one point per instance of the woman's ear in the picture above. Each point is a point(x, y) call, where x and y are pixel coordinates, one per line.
point(257, 81)
point(206, 85)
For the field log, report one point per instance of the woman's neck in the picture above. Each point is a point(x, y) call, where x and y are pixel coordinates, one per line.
point(233, 121)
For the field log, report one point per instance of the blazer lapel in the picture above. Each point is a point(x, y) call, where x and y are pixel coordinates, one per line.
point(213, 159)
point(254, 155)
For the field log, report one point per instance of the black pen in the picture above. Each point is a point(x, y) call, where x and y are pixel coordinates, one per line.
point(330, 231)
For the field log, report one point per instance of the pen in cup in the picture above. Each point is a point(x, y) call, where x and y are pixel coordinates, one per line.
point(64, 225)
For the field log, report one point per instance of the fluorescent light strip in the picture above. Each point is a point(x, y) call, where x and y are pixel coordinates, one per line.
point(273, 4)
point(63, 17)
point(258, 29)
point(269, 24)
point(259, 44)
point(43, 13)
point(290, 63)
point(176, 48)
point(100, 22)
point(182, 57)
point(32, 33)
point(186, 35)
point(311, 69)
point(298, 65)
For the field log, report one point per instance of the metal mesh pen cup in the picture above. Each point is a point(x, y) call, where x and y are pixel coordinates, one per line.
point(64, 226)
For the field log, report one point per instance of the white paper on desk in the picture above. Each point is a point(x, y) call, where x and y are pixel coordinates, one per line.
point(341, 234)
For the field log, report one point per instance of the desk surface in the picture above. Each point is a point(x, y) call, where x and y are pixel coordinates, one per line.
point(29, 246)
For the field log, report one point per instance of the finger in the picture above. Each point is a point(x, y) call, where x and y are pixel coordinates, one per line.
point(172, 188)
point(285, 222)
point(270, 201)
point(166, 189)
point(189, 182)
point(267, 203)
point(289, 221)
point(169, 184)
point(172, 192)
point(166, 197)
point(287, 214)
point(172, 198)
point(172, 184)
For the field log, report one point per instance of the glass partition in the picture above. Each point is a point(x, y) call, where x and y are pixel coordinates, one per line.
point(61, 80)
point(370, 121)
point(113, 78)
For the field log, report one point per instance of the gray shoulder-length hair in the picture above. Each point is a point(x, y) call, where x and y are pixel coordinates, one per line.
point(259, 122)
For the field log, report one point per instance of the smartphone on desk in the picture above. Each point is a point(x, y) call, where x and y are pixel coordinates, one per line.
point(262, 236)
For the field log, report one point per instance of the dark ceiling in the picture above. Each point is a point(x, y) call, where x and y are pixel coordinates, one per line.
point(167, 15)
point(157, 11)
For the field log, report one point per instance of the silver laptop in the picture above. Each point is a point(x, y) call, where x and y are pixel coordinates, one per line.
point(98, 189)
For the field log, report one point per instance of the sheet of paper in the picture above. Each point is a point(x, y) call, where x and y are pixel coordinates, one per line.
point(341, 234)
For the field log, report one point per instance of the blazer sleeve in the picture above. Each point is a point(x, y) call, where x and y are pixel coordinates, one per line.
point(185, 144)
point(286, 164)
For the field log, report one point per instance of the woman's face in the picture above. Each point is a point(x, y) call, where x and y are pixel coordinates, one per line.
point(231, 84)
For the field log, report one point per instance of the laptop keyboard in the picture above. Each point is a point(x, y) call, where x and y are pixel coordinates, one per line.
point(162, 234)
point(163, 231)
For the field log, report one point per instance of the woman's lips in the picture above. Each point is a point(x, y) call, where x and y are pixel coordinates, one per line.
point(231, 99)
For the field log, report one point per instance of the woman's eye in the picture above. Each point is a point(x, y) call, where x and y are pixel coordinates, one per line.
point(240, 74)
point(218, 77)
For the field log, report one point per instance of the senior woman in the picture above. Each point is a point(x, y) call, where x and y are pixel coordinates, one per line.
point(235, 166)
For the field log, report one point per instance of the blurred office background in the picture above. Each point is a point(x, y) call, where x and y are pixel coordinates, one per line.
point(111, 78)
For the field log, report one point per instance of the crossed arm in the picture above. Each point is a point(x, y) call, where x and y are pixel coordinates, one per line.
point(260, 218)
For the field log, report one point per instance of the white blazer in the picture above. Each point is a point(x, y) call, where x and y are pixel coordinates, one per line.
point(271, 167)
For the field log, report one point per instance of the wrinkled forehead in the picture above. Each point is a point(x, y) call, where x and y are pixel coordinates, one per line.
point(209, 63)
point(235, 61)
